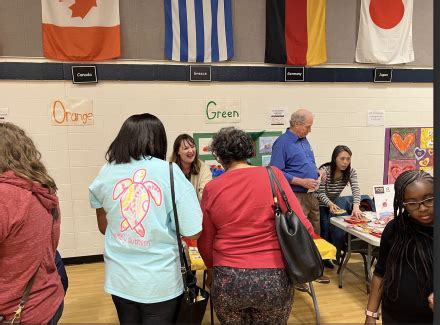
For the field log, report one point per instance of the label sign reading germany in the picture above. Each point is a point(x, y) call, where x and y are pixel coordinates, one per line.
point(71, 112)
point(223, 111)
point(294, 74)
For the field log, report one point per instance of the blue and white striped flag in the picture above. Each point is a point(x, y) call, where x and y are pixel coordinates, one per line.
point(198, 30)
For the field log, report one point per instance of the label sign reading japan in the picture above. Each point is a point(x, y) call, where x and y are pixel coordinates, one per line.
point(223, 111)
point(71, 112)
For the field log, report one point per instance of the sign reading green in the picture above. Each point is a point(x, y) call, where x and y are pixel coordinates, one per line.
point(223, 111)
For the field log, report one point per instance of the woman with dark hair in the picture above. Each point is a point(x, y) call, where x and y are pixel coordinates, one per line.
point(132, 198)
point(339, 174)
point(186, 157)
point(239, 239)
point(29, 232)
point(403, 278)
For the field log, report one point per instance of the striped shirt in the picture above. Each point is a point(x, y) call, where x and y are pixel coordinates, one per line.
point(329, 191)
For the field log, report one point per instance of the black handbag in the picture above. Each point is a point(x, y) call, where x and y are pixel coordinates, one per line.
point(303, 261)
point(195, 299)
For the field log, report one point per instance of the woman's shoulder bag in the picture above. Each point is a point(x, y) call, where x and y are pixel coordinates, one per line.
point(302, 258)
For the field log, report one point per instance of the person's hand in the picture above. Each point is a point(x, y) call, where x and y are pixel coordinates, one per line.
point(309, 183)
point(334, 208)
point(356, 213)
point(431, 301)
point(370, 320)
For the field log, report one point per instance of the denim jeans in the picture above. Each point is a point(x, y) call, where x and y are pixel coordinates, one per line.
point(57, 316)
point(329, 232)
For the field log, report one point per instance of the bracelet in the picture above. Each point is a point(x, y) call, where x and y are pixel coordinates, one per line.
point(375, 315)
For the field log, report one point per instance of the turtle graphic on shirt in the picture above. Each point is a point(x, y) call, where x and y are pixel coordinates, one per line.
point(134, 197)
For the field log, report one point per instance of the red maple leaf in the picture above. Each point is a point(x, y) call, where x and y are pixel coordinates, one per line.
point(82, 7)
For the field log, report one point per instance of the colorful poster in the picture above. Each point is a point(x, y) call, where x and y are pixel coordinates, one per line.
point(403, 143)
point(408, 149)
point(266, 144)
point(383, 200)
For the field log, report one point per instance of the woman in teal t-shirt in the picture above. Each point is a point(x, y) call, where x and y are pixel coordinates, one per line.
point(132, 198)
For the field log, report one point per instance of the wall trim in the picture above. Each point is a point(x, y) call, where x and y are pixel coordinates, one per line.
point(167, 72)
point(83, 259)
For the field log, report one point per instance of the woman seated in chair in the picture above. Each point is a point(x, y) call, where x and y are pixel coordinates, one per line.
point(339, 175)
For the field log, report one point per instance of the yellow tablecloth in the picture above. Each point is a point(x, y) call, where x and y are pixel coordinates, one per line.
point(327, 251)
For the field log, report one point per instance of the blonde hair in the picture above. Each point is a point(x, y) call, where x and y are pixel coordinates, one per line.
point(19, 155)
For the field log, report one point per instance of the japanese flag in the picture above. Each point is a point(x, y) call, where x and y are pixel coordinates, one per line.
point(385, 32)
point(81, 30)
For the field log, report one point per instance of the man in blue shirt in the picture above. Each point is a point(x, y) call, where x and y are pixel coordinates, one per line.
point(292, 153)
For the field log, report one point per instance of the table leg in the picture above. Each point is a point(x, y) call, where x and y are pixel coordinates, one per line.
point(315, 303)
point(370, 274)
point(347, 257)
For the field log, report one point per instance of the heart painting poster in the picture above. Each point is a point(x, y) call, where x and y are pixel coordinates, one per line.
point(408, 149)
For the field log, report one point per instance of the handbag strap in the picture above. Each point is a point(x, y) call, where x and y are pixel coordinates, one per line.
point(183, 262)
point(274, 180)
point(27, 289)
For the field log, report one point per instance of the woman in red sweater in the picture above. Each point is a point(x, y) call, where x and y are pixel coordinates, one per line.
point(239, 240)
point(29, 232)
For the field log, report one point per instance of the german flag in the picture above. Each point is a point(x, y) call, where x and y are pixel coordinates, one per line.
point(295, 32)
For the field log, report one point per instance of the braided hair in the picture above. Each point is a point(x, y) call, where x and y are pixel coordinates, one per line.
point(410, 243)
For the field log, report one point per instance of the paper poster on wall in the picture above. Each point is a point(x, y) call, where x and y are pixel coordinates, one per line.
point(266, 144)
point(376, 118)
point(265, 160)
point(73, 112)
point(408, 149)
point(4, 112)
point(203, 146)
point(277, 116)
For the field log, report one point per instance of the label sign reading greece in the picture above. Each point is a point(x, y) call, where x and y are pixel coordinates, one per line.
point(71, 112)
point(223, 111)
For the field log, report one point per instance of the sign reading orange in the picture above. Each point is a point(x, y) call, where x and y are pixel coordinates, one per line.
point(72, 112)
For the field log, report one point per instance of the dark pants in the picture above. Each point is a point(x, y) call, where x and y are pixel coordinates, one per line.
point(329, 232)
point(57, 316)
point(130, 312)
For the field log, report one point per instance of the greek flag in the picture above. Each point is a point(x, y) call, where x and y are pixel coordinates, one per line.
point(198, 30)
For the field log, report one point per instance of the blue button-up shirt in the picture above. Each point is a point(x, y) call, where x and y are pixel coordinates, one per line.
point(294, 156)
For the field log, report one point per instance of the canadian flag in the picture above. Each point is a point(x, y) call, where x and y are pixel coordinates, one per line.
point(385, 32)
point(81, 30)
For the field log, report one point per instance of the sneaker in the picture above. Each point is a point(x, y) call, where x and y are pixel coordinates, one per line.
point(302, 287)
point(323, 279)
point(328, 264)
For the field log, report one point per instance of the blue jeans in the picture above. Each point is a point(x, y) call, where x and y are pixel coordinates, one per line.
point(329, 232)
point(57, 316)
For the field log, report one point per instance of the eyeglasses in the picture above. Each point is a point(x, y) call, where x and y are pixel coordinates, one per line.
point(411, 206)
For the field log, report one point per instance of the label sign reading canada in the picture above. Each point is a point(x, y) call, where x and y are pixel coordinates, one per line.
point(72, 112)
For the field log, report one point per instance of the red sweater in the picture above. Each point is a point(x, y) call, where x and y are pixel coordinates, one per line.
point(25, 242)
point(238, 220)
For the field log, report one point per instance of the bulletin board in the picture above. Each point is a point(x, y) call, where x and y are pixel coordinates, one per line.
point(263, 146)
point(409, 148)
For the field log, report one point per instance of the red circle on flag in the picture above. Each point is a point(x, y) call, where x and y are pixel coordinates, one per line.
point(386, 14)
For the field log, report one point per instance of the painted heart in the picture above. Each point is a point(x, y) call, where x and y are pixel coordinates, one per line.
point(424, 162)
point(403, 144)
point(431, 152)
point(419, 153)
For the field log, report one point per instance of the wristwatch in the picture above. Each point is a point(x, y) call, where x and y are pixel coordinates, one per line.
point(375, 315)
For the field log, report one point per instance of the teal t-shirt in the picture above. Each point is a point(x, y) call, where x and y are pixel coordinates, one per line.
point(141, 253)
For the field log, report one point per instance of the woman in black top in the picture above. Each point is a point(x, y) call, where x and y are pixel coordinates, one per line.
point(403, 278)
